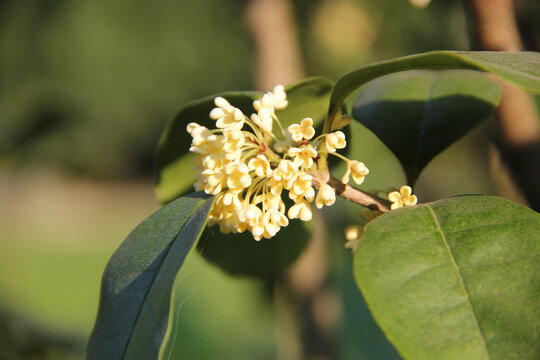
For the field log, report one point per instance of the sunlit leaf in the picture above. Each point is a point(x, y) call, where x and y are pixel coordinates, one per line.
point(137, 283)
point(418, 114)
point(520, 68)
point(455, 279)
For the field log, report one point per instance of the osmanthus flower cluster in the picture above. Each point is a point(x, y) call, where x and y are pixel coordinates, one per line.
point(253, 163)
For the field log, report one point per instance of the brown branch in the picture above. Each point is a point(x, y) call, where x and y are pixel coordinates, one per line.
point(351, 193)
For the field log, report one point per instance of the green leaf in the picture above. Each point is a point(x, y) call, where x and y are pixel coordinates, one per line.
point(307, 98)
point(175, 175)
point(240, 254)
point(455, 279)
point(520, 68)
point(418, 114)
point(136, 286)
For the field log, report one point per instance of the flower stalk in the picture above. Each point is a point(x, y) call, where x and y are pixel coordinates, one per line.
point(350, 193)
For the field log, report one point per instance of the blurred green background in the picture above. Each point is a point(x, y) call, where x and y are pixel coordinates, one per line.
point(86, 87)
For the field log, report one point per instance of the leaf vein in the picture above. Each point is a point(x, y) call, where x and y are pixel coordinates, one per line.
point(418, 274)
point(460, 278)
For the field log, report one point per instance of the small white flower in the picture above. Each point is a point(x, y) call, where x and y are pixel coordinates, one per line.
point(280, 97)
point(263, 119)
point(301, 210)
point(353, 234)
point(261, 166)
point(238, 176)
point(301, 131)
point(335, 140)
point(273, 220)
point(358, 171)
point(303, 156)
point(326, 196)
point(286, 172)
point(226, 115)
point(402, 198)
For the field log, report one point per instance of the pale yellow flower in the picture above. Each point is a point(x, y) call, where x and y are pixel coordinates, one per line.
point(208, 143)
point(265, 102)
point(353, 234)
point(357, 170)
point(199, 135)
point(302, 188)
point(273, 220)
point(280, 97)
point(251, 214)
point(402, 198)
point(301, 210)
point(230, 198)
point(226, 212)
point(249, 169)
point(230, 223)
point(302, 131)
point(286, 172)
point(263, 119)
point(261, 166)
point(213, 161)
point(303, 156)
point(270, 201)
point(226, 115)
point(335, 140)
point(234, 139)
point(238, 176)
point(326, 196)
point(276, 186)
point(213, 181)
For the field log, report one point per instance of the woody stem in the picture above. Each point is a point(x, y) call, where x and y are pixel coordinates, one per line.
point(350, 193)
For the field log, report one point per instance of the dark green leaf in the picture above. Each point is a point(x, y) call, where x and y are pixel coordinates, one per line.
point(175, 175)
point(136, 286)
point(520, 68)
point(240, 254)
point(455, 279)
point(418, 114)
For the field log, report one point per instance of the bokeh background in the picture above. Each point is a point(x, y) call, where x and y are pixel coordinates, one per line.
point(86, 88)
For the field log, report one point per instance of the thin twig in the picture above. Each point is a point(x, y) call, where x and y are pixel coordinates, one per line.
point(351, 193)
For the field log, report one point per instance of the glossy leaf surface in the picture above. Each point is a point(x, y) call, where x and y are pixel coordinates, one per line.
point(138, 280)
point(455, 279)
point(520, 68)
point(418, 114)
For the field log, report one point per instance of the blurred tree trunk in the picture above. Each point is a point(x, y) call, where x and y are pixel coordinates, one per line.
point(517, 116)
point(304, 323)
point(278, 59)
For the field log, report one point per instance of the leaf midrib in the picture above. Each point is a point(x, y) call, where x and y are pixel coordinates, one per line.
point(460, 278)
point(126, 349)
